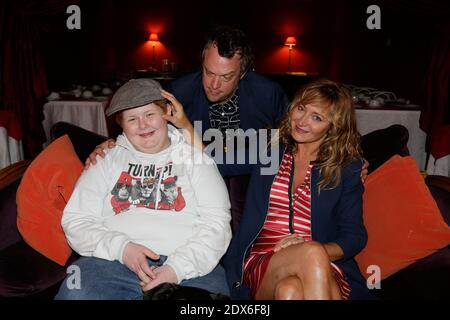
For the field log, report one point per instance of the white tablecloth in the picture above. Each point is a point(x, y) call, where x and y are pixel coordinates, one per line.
point(11, 150)
point(89, 115)
point(369, 120)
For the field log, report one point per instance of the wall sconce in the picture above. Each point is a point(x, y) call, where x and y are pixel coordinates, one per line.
point(153, 38)
point(290, 41)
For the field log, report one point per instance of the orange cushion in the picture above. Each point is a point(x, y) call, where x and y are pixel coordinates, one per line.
point(402, 219)
point(42, 195)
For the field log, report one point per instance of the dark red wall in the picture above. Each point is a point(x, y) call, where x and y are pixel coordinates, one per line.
point(332, 40)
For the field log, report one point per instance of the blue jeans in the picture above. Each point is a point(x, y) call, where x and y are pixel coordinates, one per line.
point(101, 279)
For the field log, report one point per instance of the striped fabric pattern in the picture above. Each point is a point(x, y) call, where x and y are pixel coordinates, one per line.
point(276, 226)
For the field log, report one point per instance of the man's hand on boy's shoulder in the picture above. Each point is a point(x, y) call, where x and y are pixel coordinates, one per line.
point(99, 151)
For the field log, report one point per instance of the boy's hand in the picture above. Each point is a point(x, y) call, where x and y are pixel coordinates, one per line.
point(135, 258)
point(164, 273)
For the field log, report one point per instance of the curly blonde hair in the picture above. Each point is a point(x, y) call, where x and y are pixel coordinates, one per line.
point(342, 142)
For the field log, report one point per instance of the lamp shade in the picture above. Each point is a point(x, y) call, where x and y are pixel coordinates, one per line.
point(153, 37)
point(290, 41)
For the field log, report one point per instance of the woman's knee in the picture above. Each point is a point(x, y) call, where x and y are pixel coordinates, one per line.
point(315, 261)
point(314, 253)
point(289, 288)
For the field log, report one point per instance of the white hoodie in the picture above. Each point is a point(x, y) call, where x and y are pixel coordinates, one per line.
point(174, 202)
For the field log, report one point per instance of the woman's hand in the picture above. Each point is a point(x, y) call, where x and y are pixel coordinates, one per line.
point(288, 241)
point(98, 151)
point(178, 118)
point(164, 273)
point(364, 170)
point(135, 258)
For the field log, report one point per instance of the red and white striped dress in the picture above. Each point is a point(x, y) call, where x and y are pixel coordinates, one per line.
point(276, 227)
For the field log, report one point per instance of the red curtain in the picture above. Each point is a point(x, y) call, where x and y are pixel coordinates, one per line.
point(22, 75)
point(435, 116)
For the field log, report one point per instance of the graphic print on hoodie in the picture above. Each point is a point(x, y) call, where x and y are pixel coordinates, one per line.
point(147, 187)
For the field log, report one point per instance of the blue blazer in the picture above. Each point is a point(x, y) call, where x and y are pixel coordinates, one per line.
point(262, 102)
point(336, 216)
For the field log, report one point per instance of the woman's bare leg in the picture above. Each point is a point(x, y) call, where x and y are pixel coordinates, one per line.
point(309, 263)
point(289, 288)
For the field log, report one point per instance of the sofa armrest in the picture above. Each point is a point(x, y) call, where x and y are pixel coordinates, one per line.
point(13, 172)
point(25, 272)
point(10, 178)
point(439, 187)
point(440, 182)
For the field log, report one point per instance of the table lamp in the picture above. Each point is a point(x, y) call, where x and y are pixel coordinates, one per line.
point(290, 42)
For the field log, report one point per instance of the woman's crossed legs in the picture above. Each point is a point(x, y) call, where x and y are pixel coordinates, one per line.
point(300, 271)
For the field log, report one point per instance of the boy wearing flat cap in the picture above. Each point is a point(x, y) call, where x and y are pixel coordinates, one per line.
point(122, 220)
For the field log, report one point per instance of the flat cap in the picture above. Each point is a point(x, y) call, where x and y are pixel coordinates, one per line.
point(134, 93)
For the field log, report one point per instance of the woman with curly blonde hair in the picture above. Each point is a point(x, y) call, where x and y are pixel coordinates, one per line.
point(303, 225)
point(340, 144)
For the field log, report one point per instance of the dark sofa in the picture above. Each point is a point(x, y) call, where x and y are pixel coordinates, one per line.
point(24, 273)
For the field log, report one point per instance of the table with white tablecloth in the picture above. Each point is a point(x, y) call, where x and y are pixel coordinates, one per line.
point(439, 160)
point(369, 120)
point(11, 149)
point(87, 114)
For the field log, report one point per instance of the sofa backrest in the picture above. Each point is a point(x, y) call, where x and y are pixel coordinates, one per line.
point(380, 145)
point(83, 141)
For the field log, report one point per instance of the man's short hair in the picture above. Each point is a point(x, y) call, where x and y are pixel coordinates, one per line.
point(229, 41)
